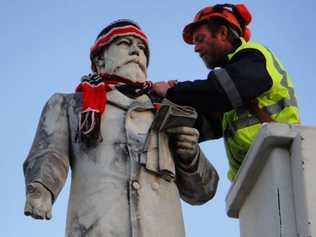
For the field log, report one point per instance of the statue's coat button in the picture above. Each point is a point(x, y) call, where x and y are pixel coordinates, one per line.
point(155, 186)
point(136, 185)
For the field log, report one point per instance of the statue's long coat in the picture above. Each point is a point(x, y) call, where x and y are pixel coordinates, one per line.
point(111, 194)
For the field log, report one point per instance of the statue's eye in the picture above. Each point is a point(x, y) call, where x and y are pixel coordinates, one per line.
point(123, 42)
point(142, 47)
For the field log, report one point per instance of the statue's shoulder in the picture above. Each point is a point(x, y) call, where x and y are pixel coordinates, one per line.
point(65, 99)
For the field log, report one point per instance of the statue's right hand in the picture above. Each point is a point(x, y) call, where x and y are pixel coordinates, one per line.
point(38, 201)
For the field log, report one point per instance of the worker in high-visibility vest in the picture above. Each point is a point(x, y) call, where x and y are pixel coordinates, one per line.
point(247, 85)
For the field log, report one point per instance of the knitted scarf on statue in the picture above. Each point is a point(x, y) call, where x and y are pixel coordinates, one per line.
point(94, 88)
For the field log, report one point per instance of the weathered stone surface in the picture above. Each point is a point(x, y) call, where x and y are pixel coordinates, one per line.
point(113, 193)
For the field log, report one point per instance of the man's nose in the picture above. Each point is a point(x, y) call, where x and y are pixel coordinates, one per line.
point(197, 48)
point(134, 50)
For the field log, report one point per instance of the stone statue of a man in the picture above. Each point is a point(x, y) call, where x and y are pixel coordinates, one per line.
point(100, 132)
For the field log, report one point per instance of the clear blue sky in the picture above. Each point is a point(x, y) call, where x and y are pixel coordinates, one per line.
point(44, 49)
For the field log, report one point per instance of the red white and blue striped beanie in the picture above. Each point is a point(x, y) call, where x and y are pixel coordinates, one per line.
point(122, 27)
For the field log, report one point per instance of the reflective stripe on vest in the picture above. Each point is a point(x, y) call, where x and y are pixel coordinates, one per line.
point(284, 82)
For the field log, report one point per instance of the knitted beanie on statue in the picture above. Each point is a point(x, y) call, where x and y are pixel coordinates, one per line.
point(122, 27)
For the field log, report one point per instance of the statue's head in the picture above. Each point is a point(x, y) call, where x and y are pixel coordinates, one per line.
point(121, 48)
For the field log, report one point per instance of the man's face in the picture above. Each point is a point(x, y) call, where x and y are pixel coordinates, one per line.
point(210, 47)
point(125, 57)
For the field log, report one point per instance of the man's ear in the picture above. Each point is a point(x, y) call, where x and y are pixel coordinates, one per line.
point(223, 32)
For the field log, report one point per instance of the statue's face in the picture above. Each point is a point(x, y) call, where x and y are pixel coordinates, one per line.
point(125, 57)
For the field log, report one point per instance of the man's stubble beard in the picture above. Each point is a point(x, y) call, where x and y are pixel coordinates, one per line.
point(212, 63)
point(208, 63)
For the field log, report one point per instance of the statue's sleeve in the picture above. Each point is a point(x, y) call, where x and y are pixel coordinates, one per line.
point(197, 183)
point(48, 159)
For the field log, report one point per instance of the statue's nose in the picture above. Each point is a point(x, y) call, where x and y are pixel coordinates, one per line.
point(134, 50)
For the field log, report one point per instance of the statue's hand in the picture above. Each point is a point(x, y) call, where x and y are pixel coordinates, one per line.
point(38, 202)
point(185, 140)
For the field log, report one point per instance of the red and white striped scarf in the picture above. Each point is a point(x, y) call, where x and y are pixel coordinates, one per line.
point(94, 88)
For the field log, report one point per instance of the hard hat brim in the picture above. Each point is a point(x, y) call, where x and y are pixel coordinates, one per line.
point(189, 29)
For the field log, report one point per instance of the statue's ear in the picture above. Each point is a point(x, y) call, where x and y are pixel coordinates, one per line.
point(99, 62)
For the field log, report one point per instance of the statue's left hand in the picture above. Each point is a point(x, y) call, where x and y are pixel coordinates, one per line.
point(185, 140)
point(38, 202)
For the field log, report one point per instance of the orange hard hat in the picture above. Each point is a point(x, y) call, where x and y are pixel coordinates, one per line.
point(237, 16)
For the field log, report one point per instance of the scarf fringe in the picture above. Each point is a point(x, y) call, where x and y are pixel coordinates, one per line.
point(89, 128)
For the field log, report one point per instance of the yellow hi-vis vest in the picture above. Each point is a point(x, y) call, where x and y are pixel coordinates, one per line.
point(240, 127)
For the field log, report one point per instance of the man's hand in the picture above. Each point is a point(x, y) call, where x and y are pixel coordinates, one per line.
point(185, 140)
point(38, 202)
point(162, 87)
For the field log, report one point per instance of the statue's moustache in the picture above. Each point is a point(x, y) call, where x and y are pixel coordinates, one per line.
point(133, 60)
